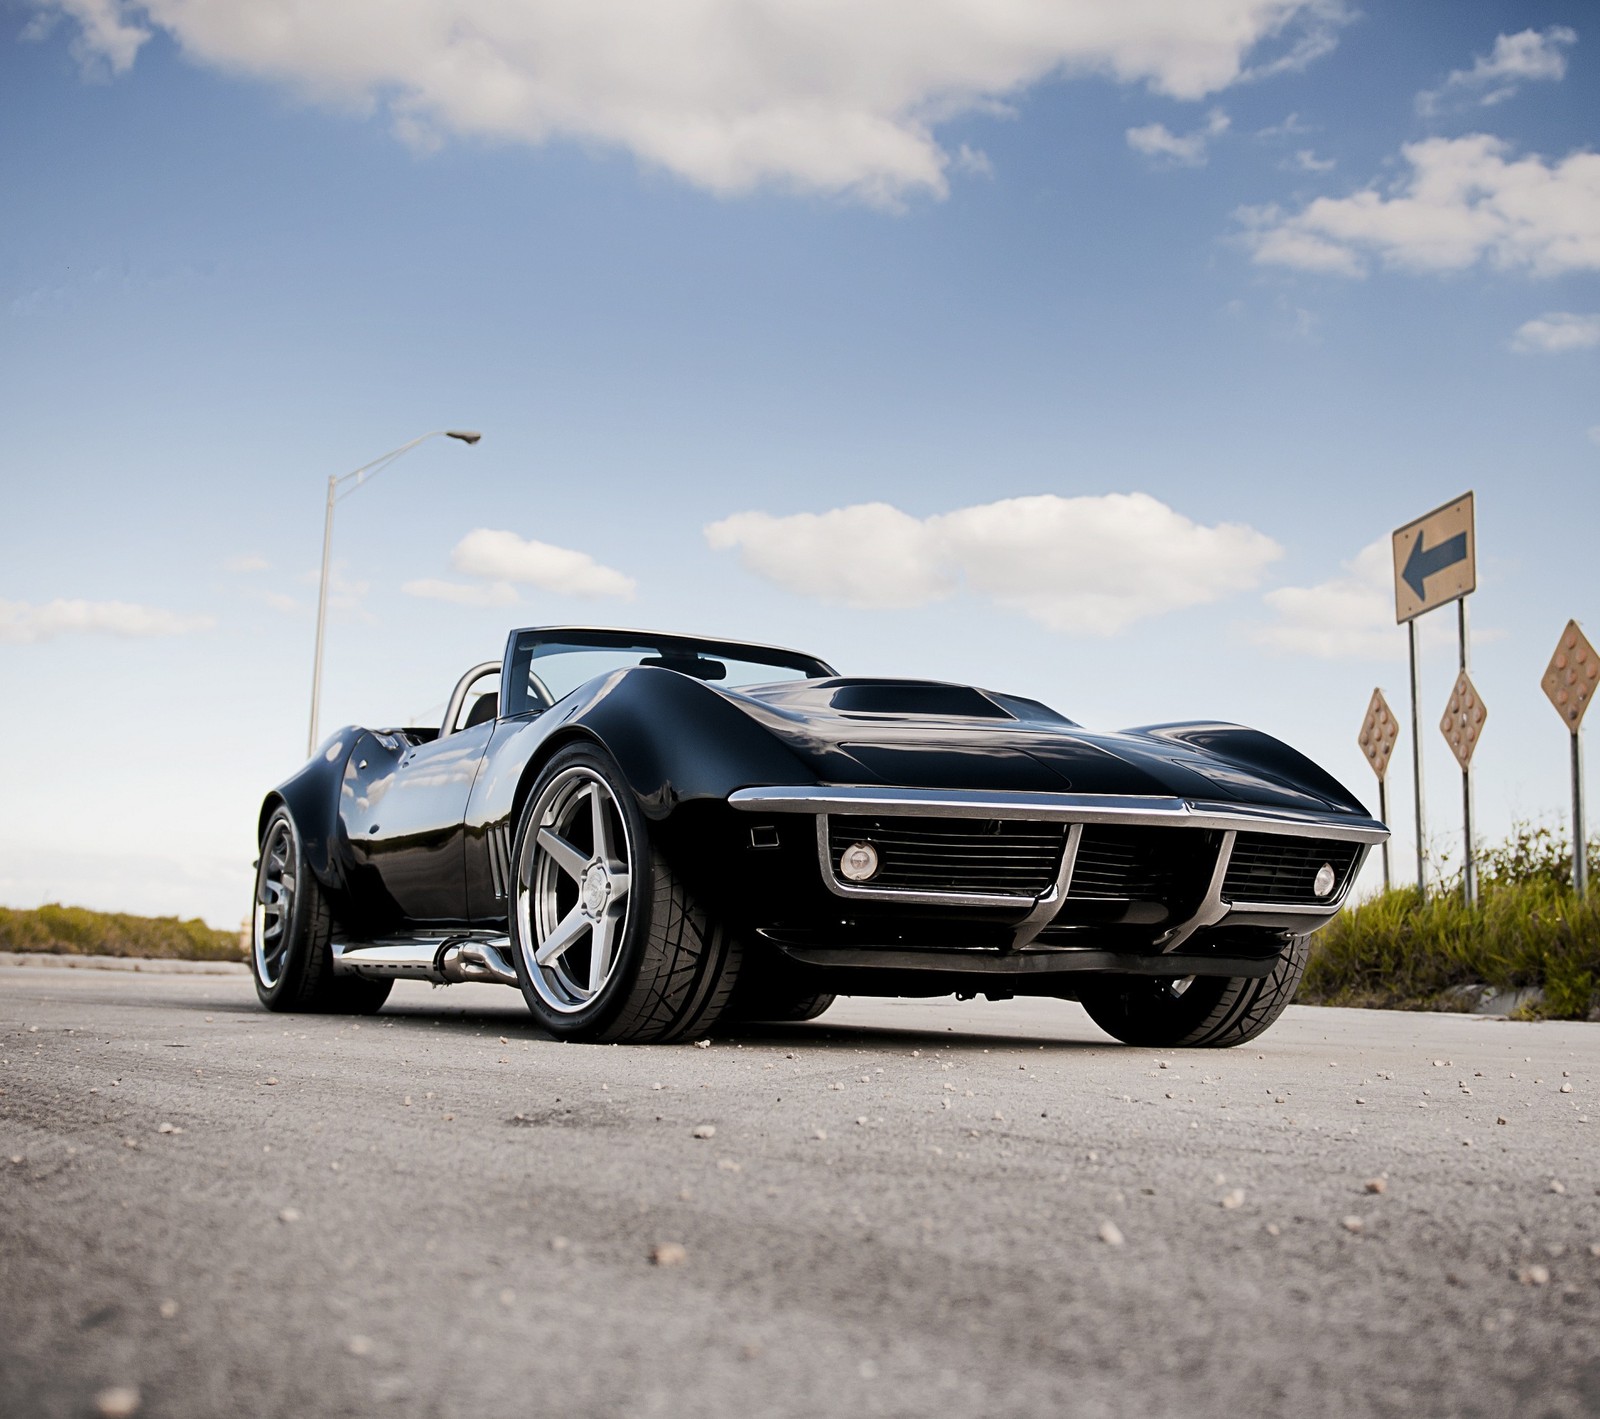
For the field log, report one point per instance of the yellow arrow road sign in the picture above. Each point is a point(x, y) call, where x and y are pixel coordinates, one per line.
point(1435, 559)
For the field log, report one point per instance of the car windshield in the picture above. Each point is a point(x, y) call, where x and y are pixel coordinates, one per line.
point(546, 665)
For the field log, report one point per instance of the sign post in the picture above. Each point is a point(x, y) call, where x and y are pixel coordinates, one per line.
point(1570, 683)
point(1379, 730)
point(1461, 726)
point(1435, 562)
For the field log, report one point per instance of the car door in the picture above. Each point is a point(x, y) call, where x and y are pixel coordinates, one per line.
point(403, 805)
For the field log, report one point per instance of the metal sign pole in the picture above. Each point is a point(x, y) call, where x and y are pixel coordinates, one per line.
point(1580, 842)
point(1416, 761)
point(1469, 866)
point(1571, 680)
point(1379, 730)
point(1383, 816)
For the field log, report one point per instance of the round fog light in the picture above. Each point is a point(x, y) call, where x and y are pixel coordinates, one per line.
point(1325, 880)
point(858, 862)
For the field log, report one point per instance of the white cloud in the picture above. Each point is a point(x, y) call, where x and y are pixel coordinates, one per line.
point(1529, 56)
point(22, 623)
point(1088, 565)
point(109, 32)
point(1348, 617)
point(1594, 433)
point(246, 562)
point(1291, 127)
point(869, 555)
point(494, 593)
point(1462, 203)
point(505, 557)
point(1306, 160)
point(1155, 141)
point(1556, 333)
point(727, 94)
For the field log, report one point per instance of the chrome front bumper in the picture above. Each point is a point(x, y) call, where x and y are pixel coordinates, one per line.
point(1075, 811)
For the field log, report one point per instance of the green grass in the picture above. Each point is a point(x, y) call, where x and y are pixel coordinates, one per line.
point(77, 931)
point(1403, 951)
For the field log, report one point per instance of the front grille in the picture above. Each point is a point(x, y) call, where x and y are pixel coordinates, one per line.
point(1129, 864)
point(1267, 868)
point(999, 857)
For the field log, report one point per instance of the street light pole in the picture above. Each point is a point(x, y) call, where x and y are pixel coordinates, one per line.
point(356, 477)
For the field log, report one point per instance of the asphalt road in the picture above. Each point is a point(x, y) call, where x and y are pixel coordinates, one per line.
point(903, 1210)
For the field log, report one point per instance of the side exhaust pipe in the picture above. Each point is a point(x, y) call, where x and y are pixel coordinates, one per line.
point(442, 958)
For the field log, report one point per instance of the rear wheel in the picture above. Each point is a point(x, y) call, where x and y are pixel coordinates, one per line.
point(1211, 1012)
point(291, 928)
point(608, 943)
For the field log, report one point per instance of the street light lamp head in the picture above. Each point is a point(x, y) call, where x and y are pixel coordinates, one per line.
point(465, 435)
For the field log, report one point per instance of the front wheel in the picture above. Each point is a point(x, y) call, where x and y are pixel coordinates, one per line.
point(608, 943)
point(1211, 1012)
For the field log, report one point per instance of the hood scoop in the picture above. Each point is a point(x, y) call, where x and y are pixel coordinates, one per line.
point(916, 698)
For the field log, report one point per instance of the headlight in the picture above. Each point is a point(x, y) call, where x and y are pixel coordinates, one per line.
point(858, 862)
point(1326, 880)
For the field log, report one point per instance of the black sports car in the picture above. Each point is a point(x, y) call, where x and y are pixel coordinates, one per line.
point(649, 835)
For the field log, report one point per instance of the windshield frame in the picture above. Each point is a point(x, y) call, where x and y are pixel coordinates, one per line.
point(521, 645)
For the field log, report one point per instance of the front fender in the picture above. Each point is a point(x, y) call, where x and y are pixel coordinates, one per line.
point(1251, 749)
point(678, 740)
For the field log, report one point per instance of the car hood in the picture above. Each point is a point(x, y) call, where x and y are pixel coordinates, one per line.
point(927, 734)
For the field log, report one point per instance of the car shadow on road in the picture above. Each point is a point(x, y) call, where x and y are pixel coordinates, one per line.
point(813, 1037)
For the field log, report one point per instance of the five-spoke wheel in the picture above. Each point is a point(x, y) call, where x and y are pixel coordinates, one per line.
point(608, 943)
point(573, 877)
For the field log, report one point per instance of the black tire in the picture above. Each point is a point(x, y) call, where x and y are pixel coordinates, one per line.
point(643, 964)
point(1208, 1012)
point(291, 927)
point(775, 1001)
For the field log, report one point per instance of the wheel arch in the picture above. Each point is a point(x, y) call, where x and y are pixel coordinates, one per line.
point(547, 750)
point(311, 797)
point(674, 738)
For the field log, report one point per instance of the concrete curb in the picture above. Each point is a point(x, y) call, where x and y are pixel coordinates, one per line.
point(121, 963)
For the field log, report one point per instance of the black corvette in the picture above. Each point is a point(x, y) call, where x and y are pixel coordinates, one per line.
point(651, 835)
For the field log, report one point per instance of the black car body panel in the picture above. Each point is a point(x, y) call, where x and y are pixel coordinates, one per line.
point(1014, 845)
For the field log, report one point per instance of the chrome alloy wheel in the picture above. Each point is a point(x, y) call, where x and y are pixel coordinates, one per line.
point(274, 906)
point(573, 875)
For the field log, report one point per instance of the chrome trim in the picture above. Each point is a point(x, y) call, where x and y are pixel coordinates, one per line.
point(1126, 809)
point(1212, 908)
point(1328, 908)
point(458, 696)
point(1051, 902)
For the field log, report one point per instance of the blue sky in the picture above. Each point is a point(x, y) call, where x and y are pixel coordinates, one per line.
point(1059, 347)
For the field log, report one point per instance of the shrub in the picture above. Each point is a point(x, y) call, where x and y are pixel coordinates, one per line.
point(77, 931)
point(1403, 950)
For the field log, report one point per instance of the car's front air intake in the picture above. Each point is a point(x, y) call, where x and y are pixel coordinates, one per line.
point(1268, 868)
point(992, 857)
point(1135, 864)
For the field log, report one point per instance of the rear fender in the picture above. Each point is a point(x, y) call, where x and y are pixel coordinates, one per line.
point(312, 798)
